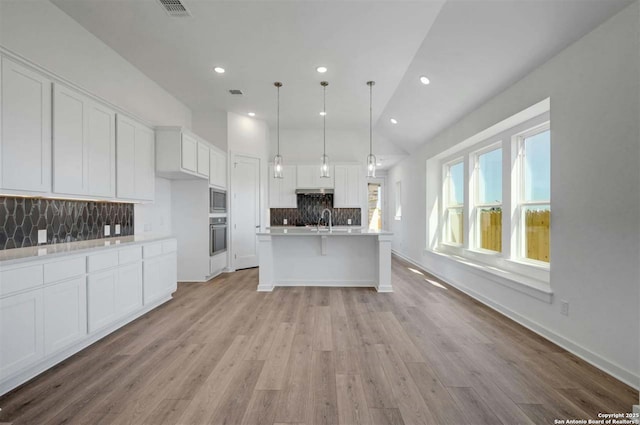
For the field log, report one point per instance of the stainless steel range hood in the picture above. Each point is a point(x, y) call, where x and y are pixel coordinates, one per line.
point(314, 191)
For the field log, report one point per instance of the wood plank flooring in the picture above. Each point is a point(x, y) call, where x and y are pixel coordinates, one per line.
point(222, 353)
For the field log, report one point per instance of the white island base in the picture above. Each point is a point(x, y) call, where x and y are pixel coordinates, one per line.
point(340, 258)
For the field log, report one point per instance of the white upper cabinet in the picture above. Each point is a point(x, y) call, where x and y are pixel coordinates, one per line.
point(217, 168)
point(348, 186)
point(136, 160)
point(70, 162)
point(101, 151)
point(182, 155)
point(84, 145)
point(203, 159)
point(282, 192)
point(25, 131)
point(189, 150)
point(308, 177)
point(145, 170)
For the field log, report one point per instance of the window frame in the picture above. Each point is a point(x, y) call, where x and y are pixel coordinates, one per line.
point(474, 232)
point(446, 168)
point(518, 252)
point(506, 261)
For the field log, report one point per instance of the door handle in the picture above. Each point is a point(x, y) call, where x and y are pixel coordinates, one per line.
point(257, 227)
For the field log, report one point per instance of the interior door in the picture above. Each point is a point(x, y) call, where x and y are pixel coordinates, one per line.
point(245, 209)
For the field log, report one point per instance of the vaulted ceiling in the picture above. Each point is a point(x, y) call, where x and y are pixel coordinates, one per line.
point(470, 50)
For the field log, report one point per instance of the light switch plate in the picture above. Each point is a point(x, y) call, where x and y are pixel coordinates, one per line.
point(117, 229)
point(285, 221)
point(564, 307)
point(107, 230)
point(42, 236)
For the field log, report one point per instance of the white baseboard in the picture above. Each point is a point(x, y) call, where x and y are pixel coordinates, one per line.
point(328, 283)
point(384, 288)
point(265, 288)
point(588, 356)
point(45, 364)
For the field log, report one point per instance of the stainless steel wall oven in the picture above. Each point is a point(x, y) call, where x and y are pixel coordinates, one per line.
point(217, 235)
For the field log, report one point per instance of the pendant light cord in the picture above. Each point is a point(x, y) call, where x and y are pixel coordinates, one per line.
point(278, 120)
point(324, 120)
point(370, 119)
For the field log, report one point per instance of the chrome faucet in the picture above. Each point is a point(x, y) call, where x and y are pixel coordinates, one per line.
point(322, 216)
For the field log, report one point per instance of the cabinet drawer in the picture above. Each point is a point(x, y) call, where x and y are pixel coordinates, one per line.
point(130, 255)
point(152, 250)
point(65, 269)
point(20, 279)
point(169, 246)
point(102, 261)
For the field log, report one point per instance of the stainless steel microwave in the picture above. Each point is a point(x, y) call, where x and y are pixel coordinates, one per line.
point(217, 201)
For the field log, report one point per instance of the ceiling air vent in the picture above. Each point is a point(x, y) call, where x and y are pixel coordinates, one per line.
point(236, 92)
point(175, 8)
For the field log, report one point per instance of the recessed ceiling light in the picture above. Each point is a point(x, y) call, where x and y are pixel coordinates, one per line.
point(252, 114)
point(321, 69)
point(424, 80)
point(393, 121)
point(323, 113)
point(219, 69)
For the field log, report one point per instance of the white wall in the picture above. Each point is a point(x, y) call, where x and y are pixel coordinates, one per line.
point(595, 160)
point(155, 217)
point(212, 126)
point(43, 34)
point(342, 145)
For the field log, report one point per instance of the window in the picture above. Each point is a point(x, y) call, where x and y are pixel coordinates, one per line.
point(488, 199)
point(398, 214)
point(454, 183)
point(534, 205)
point(504, 222)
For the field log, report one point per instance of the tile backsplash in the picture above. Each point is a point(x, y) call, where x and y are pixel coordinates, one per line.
point(64, 220)
point(309, 209)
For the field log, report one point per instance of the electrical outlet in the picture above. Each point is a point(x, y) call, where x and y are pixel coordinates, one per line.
point(42, 236)
point(564, 307)
point(285, 221)
point(349, 221)
point(107, 230)
point(117, 229)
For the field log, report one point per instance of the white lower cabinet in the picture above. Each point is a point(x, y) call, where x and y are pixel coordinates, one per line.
point(129, 289)
point(160, 277)
point(50, 307)
point(101, 298)
point(112, 294)
point(65, 314)
point(21, 331)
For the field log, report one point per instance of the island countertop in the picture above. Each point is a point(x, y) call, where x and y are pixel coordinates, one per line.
point(336, 231)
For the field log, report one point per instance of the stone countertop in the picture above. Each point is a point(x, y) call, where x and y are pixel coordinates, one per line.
point(45, 252)
point(336, 231)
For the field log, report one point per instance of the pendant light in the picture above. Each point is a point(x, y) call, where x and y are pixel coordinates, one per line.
point(277, 160)
point(324, 165)
point(371, 158)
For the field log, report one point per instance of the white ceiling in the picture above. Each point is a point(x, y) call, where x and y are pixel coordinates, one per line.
point(476, 49)
point(471, 50)
point(266, 41)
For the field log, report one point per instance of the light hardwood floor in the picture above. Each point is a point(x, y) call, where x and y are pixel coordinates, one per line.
point(222, 353)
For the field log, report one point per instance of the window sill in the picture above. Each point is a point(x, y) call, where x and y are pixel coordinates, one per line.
point(528, 285)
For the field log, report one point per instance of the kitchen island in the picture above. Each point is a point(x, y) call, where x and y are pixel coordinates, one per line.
point(340, 257)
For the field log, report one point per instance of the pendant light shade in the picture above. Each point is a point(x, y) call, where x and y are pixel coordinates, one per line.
point(371, 158)
point(324, 164)
point(277, 160)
